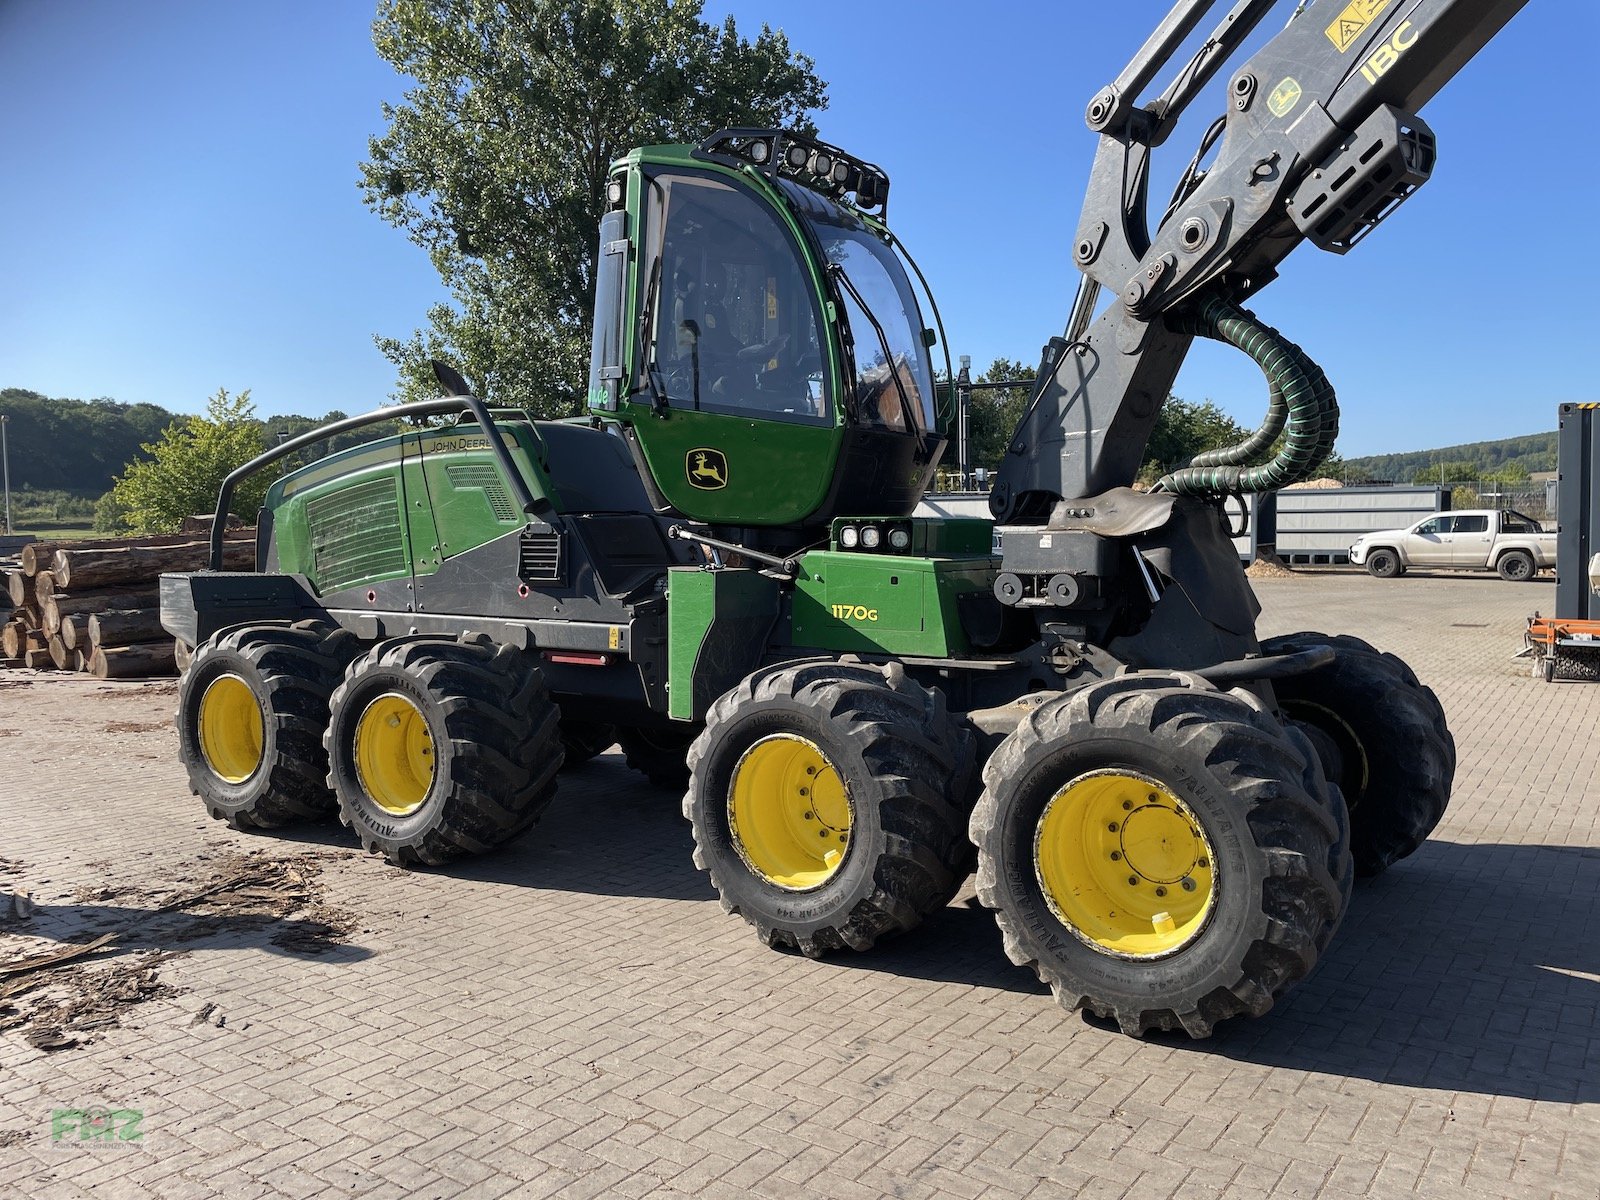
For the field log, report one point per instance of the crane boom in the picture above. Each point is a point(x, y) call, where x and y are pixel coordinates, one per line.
point(1320, 142)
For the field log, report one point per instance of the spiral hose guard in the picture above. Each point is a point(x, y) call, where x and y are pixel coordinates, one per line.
point(1302, 408)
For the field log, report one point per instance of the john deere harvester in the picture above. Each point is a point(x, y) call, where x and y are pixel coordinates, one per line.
point(718, 564)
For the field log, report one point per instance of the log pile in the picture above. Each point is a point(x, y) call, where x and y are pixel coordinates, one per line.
point(93, 606)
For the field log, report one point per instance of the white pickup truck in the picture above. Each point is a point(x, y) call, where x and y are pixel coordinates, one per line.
point(1483, 539)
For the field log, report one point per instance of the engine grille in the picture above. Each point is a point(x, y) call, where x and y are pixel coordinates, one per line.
point(466, 476)
point(356, 534)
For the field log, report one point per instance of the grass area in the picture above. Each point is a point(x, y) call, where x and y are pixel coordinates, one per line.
point(59, 531)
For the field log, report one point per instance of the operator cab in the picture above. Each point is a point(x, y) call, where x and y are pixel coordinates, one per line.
point(758, 339)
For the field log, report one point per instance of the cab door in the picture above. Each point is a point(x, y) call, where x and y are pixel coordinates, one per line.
point(1469, 540)
point(735, 411)
point(1426, 545)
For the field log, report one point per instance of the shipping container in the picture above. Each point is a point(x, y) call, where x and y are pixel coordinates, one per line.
point(1317, 525)
point(1578, 502)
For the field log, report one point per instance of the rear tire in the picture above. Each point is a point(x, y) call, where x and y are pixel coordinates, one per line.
point(862, 757)
point(1384, 564)
point(1396, 758)
point(1162, 854)
point(1516, 566)
point(252, 706)
point(440, 749)
point(583, 740)
point(659, 753)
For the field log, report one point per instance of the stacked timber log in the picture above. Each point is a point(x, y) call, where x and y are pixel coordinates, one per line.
point(93, 605)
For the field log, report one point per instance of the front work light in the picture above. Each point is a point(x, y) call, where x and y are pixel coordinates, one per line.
point(848, 537)
point(871, 537)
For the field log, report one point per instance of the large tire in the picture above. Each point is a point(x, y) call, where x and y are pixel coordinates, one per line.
point(864, 756)
point(1395, 760)
point(1162, 854)
point(659, 753)
point(252, 706)
point(1384, 564)
point(1516, 566)
point(583, 740)
point(442, 749)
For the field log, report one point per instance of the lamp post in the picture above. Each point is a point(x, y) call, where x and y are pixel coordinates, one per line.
point(5, 467)
point(963, 415)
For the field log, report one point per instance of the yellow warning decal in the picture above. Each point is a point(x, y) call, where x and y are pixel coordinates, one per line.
point(615, 638)
point(1350, 23)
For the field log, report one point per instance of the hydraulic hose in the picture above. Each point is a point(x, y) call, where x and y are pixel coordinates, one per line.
point(1302, 408)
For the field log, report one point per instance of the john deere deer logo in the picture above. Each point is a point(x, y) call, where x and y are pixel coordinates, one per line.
point(707, 469)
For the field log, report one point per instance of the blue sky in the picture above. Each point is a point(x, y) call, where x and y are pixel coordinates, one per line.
point(180, 212)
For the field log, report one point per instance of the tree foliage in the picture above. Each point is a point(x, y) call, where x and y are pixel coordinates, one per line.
point(74, 446)
point(1185, 429)
point(1473, 460)
point(994, 414)
point(187, 466)
point(495, 162)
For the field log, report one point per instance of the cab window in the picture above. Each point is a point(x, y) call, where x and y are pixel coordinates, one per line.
point(1435, 525)
point(1476, 523)
point(734, 326)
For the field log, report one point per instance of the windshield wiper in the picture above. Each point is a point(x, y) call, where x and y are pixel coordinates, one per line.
point(838, 273)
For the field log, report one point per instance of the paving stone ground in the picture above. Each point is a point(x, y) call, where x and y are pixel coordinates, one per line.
point(575, 1016)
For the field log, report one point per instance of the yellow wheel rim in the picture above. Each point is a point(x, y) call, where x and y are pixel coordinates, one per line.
point(394, 754)
point(1125, 865)
point(790, 812)
point(232, 731)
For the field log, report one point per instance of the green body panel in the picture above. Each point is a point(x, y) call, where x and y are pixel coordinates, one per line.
point(468, 502)
point(343, 521)
point(420, 524)
point(769, 480)
point(400, 506)
point(718, 624)
point(885, 604)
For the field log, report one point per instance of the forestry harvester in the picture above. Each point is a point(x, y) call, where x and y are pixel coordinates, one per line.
point(719, 566)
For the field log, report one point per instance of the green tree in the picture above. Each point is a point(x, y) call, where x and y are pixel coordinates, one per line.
point(1185, 429)
point(495, 162)
point(187, 466)
point(994, 414)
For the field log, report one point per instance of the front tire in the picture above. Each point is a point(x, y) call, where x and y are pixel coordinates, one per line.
point(1384, 564)
point(1516, 566)
point(827, 807)
point(1395, 760)
point(440, 749)
point(1161, 853)
point(252, 706)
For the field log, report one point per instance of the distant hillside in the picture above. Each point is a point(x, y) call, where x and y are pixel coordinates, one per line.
point(1535, 452)
point(74, 448)
point(75, 445)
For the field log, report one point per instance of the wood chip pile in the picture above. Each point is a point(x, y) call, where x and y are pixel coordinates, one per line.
point(92, 605)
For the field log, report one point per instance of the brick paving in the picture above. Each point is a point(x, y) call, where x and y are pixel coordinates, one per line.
point(576, 1017)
